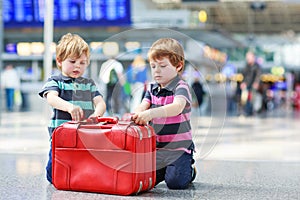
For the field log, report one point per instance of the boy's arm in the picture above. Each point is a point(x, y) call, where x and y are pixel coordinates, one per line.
point(169, 110)
point(173, 109)
point(144, 105)
point(58, 103)
point(100, 106)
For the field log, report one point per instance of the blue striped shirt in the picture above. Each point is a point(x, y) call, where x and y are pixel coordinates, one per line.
point(80, 91)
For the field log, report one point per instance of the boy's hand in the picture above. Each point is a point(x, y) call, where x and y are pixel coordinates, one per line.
point(95, 115)
point(76, 112)
point(142, 118)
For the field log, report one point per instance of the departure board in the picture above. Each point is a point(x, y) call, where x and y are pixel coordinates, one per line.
point(67, 13)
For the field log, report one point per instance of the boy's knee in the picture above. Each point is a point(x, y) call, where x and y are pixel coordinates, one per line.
point(49, 175)
point(49, 172)
point(49, 178)
point(177, 184)
point(176, 180)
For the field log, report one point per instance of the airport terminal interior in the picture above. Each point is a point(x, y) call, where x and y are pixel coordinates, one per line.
point(247, 141)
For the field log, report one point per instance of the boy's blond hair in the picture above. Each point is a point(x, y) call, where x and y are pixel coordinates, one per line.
point(170, 48)
point(71, 46)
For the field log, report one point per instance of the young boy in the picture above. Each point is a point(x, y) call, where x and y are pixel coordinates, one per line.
point(72, 96)
point(167, 105)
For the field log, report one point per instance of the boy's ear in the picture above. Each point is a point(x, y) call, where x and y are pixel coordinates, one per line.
point(58, 61)
point(179, 67)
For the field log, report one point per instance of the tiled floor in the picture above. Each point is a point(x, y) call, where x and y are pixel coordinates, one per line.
point(237, 158)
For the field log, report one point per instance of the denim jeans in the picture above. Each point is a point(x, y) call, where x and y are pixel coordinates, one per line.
point(9, 98)
point(175, 168)
point(49, 166)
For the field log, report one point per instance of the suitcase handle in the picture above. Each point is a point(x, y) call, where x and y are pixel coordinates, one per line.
point(106, 120)
point(99, 122)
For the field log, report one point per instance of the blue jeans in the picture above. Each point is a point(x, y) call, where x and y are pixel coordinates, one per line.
point(49, 166)
point(175, 168)
point(249, 108)
point(9, 98)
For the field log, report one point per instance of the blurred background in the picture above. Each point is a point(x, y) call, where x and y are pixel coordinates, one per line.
point(238, 156)
point(216, 35)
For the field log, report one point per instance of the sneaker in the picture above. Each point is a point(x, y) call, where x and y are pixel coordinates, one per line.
point(194, 173)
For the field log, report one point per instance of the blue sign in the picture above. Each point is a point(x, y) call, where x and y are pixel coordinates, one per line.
point(67, 13)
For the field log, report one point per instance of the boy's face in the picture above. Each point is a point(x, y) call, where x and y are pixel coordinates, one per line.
point(163, 72)
point(74, 67)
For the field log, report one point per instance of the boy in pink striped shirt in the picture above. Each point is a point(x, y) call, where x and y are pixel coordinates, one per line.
point(167, 107)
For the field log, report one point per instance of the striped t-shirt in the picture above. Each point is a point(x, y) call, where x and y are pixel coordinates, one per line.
point(173, 133)
point(78, 91)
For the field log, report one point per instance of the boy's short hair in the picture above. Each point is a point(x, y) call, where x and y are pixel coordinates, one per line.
point(71, 45)
point(170, 48)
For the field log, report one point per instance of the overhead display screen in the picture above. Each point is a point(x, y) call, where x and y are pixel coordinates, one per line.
point(67, 13)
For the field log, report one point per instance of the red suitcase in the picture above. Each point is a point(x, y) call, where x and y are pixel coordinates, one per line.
point(108, 156)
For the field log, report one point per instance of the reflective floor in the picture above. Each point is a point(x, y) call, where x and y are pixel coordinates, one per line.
point(237, 158)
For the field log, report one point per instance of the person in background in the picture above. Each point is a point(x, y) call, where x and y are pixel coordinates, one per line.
point(199, 93)
point(72, 96)
point(251, 81)
point(136, 75)
point(167, 106)
point(10, 82)
point(111, 73)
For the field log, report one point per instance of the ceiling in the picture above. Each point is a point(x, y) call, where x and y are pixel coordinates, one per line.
point(274, 17)
point(237, 16)
point(279, 20)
